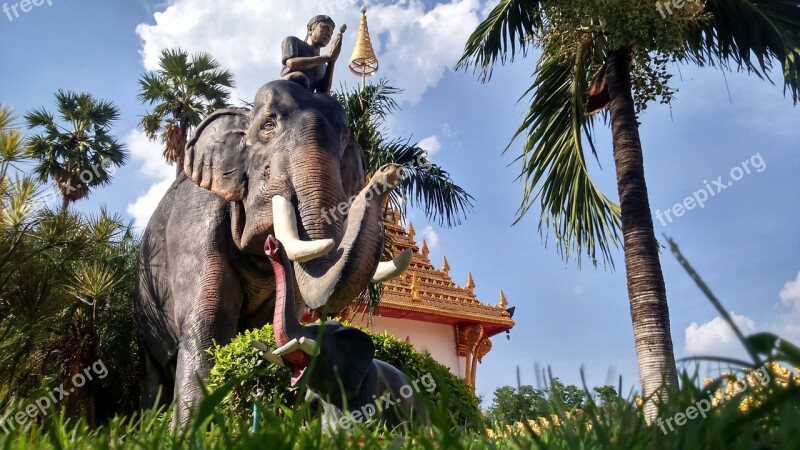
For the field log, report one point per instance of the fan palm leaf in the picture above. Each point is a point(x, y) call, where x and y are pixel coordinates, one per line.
point(182, 92)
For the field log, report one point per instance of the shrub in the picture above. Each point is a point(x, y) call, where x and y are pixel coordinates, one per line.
point(239, 359)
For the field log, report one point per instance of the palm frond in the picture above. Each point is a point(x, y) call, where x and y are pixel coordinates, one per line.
point(507, 30)
point(554, 170)
point(748, 35)
point(424, 184)
point(428, 186)
point(11, 141)
point(79, 157)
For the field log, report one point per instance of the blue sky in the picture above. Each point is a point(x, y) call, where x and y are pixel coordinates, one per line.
point(744, 241)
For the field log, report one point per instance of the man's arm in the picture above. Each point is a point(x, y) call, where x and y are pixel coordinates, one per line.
point(299, 63)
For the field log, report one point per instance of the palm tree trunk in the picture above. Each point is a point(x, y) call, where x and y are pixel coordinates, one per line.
point(646, 291)
point(64, 204)
point(184, 127)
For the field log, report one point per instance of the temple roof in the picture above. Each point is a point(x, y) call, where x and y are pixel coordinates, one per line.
point(428, 294)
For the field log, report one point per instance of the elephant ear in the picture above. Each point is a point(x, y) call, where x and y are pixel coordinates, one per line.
point(216, 156)
point(352, 167)
point(357, 351)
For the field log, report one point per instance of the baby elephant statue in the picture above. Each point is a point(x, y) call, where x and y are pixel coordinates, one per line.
point(336, 362)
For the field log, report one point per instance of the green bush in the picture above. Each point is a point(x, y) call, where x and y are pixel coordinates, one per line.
point(239, 359)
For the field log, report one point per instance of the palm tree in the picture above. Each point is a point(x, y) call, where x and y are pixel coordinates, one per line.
point(184, 90)
point(80, 155)
point(66, 293)
point(597, 54)
point(424, 184)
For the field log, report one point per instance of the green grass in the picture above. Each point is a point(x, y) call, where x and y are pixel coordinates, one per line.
point(775, 424)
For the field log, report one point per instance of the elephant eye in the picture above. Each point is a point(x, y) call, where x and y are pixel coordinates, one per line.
point(268, 129)
point(269, 125)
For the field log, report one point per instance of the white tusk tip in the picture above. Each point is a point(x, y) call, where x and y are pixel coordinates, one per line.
point(390, 269)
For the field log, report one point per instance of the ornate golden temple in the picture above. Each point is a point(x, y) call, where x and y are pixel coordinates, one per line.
point(425, 307)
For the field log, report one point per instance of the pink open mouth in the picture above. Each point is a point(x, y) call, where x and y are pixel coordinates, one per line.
point(272, 247)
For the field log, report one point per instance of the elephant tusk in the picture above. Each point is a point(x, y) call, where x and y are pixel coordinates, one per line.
point(306, 345)
point(286, 231)
point(389, 269)
point(265, 353)
point(309, 346)
point(289, 347)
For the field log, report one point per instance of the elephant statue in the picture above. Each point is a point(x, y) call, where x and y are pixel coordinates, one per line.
point(336, 362)
point(202, 274)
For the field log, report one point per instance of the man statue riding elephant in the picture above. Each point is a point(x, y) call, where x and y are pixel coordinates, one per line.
point(302, 61)
point(202, 273)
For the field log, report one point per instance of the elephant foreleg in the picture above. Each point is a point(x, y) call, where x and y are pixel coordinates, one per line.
point(212, 319)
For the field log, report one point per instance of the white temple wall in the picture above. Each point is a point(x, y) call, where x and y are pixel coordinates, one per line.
point(437, 339)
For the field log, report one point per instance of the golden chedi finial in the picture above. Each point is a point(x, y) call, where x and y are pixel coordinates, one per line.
point(411, 231)
point(445, 266)
point(470, 283)
point(425, 251)
point(363, 62)
point(503, 302)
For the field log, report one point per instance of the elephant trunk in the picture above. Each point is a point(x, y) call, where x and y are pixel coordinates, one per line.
point(285, 325)
point(334, 280)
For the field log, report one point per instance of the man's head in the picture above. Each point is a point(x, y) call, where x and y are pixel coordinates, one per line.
point(320, 30)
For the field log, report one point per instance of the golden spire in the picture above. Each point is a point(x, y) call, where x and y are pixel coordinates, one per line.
point(425, 251)
point(363, 62)
point(503, 302)
point(470, 283)
point(445, 266)
point(411, 231)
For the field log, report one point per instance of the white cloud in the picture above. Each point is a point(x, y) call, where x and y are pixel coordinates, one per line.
point(716, 337)
point(431, 145)
point(149, 153)
point(447, 131)
point(788, 323)
point(790, 294)
point(431, 237)
point(415, 46)
point(142, 208)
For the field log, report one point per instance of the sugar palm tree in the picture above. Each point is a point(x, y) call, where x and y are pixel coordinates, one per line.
point(614, 54)
point(78, 154)
point(184, 90)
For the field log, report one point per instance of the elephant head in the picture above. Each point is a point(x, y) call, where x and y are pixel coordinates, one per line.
point(344, 354)
point(285, 166)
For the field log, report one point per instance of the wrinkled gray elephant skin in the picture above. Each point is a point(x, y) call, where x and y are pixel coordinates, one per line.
point(202, 273)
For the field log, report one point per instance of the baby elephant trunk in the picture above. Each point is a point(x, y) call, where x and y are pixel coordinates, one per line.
point(285, 323)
